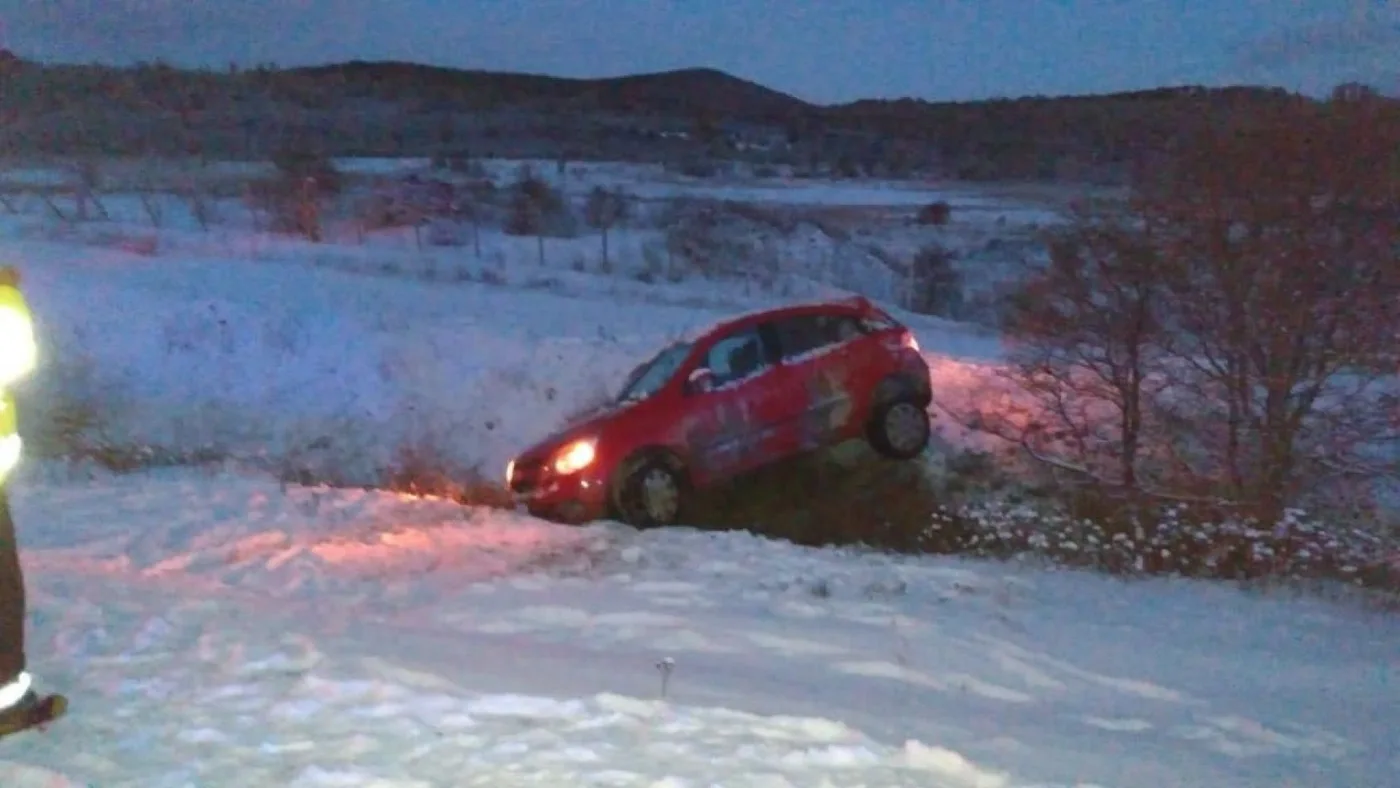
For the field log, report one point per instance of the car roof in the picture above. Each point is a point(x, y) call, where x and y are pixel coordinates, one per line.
point(856, 305)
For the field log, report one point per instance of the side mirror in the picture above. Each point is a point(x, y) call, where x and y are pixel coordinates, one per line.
point(701, 380)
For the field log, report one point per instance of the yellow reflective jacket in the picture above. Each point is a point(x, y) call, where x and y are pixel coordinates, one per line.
point(17, 350)
point(17, 356)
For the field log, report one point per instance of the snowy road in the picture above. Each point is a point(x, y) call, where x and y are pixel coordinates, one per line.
point(217, 630)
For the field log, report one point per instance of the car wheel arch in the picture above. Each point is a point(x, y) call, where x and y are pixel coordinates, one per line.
point(897, 386)
point(638, 459)
point(664, 454)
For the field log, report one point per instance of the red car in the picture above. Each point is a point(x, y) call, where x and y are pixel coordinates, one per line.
point(749, 392)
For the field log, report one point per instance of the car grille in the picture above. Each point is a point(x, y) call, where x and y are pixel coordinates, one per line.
point(527, 476)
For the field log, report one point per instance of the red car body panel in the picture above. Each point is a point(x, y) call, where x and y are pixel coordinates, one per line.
point(790, 406)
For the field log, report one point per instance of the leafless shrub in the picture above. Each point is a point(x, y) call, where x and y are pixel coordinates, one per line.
point(424, 469)
point(605, 208)
point(76, 418)
point(936, 214)
point(1175, 539)
point(294, 200)
point(709, 240)
point(537, 208)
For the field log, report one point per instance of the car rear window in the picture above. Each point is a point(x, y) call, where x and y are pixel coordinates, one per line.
point(798, 336)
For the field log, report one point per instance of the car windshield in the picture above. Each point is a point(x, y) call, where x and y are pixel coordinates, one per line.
point(646, 379)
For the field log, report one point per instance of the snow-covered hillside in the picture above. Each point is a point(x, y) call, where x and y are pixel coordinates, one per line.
point(218, 627)
point(339, 355)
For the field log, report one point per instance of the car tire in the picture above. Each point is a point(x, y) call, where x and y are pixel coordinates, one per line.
point(651, 492)
point(899, 429)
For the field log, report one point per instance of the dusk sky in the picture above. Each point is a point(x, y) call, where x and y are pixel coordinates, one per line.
point(820, 50)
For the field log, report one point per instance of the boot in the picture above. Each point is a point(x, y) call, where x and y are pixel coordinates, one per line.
point(29, 709)
point(20, 715)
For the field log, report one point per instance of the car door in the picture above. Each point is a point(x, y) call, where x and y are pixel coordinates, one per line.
point(731, 424)
point(817, 361)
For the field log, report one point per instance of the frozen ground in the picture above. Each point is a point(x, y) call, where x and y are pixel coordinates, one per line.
point(216, 629)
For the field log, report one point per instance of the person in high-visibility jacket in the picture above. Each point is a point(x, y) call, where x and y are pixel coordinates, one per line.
point(18, 354)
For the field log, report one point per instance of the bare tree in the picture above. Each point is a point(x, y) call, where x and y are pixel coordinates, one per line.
point(1084, 335)
point(605, 208)
point(1236, 324)
point(1280, 238)
point(533, 205)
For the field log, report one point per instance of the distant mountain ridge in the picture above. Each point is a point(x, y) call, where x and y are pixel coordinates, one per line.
point(699, 88)
point(692, 90)
point(405, 108)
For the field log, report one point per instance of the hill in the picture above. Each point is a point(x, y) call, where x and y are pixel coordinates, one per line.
point(697, 91)
point(412, 109)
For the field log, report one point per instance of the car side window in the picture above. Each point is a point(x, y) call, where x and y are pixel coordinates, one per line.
point(847, 328)
point(737, 356)
point(799, 336)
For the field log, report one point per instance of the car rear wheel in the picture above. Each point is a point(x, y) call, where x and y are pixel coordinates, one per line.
point(650, 494)
point(900, 429)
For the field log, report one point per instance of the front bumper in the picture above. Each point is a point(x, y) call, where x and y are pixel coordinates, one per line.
point(574, 499)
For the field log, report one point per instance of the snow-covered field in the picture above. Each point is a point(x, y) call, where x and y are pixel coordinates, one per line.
point(217, 627)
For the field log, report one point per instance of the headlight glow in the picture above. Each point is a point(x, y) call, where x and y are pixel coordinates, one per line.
point(575, 457)
point(10, 449)
point(18, 351)
point(510, 472)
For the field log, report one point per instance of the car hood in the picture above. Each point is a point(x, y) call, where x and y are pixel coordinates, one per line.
point(582, 426)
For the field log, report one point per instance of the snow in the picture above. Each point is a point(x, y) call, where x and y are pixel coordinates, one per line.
point(215, 626)
point(305, 636)
point(199, 349)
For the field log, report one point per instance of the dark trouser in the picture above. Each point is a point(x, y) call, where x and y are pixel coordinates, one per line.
point(11, 597)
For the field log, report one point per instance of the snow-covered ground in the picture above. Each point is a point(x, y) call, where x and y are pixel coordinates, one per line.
point(851, 234)
point(216, 627)
point(207, 347)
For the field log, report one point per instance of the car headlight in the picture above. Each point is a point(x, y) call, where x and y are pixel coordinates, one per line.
point(510, 472)
point(18, 350)
point(575, 457)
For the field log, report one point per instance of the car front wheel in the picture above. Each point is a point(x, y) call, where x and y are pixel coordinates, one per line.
point(651, 494)
point(900, 429)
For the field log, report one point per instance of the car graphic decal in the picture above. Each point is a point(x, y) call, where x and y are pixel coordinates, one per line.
point(724, 436)
point(828, 408)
